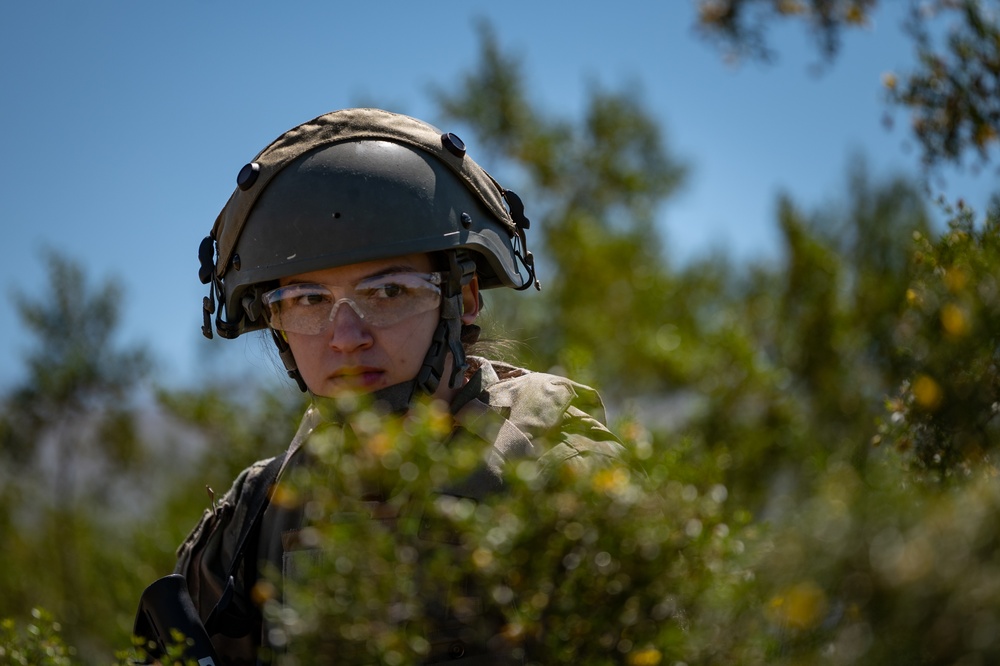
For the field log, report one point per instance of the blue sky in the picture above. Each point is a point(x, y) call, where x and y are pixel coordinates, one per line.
point(126, 123)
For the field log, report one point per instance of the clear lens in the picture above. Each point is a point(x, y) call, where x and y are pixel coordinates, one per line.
point(380, 301)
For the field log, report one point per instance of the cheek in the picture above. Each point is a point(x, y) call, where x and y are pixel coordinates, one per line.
point(299, 345)
point(410, 343)
point(306, 350)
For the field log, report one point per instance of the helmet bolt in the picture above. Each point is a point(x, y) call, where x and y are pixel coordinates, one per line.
point(236, 262)
point(466, 220)
point(453, 144)
point(247, 176)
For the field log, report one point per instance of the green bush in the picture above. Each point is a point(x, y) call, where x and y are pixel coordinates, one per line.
point(38, 642)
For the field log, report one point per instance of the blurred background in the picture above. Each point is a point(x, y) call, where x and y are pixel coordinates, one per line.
point(764, 232)
point(128, 122)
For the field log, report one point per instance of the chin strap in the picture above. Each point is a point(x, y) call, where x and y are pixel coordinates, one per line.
point(448, 335)
point(285, 352)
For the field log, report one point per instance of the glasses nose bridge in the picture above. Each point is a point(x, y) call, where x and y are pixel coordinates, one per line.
point(349, 301)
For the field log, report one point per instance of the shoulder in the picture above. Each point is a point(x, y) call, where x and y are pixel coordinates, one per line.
point(249, 484)
point(538, 399)
point(250, 480)
point(216, 533)
point(565, 418)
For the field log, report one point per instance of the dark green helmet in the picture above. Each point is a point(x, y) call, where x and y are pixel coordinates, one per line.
point(352, 186)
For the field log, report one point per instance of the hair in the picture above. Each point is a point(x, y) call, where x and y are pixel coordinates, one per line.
point(494, 348)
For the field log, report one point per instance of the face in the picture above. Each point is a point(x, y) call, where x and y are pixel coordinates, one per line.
point(351, 354)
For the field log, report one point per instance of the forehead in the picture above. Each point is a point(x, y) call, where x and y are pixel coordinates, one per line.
point(421, 263)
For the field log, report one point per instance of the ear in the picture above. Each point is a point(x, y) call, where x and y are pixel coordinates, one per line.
point(470, 301)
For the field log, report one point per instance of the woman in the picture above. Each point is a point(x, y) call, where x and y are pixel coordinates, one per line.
point(362, 240)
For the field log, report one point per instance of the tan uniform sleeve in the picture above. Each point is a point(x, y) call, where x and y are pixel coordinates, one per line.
point(581, 438)
point(564, 420)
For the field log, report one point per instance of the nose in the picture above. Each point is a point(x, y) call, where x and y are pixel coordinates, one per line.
point(348, 330)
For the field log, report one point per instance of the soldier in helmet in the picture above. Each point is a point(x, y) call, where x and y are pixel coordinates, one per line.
point(362, 241)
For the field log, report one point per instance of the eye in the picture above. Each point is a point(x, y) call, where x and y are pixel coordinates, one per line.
point(396, 289)
point(311, 299)
point(384, 288)
point(390, 290)
point(299, 296)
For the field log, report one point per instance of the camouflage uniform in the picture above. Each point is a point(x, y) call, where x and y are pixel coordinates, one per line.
point(514, 413)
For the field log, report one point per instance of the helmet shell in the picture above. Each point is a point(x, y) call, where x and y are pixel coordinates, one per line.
point(353, 186)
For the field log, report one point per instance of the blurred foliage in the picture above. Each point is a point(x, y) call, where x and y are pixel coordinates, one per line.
point(613, 566)
point(812, 475)
point(68, 449)
point(789, 362)
point(741, 25)
point(39, 643)
point(953, 92)
point(598, 184)
point(236, 434)
point(77, 471)
point(77, 377)
point(944, 417)
point(878, 568)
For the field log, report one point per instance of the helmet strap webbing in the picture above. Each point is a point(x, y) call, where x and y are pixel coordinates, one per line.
point(448, 335)
point(285, 352)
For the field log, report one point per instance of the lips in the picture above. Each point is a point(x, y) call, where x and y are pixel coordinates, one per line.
point(357, 377)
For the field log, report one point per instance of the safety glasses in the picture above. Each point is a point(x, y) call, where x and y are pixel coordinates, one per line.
point(381, 300)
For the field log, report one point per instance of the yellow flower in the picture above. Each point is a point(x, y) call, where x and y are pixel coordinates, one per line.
point(927, 392)
point(954, 321)
point(955, 279)
point(611, 480)
point(802, 606)
point(482, 557)
point(645, 657)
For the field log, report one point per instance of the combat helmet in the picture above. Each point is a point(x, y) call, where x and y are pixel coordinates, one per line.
point(358, 185)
